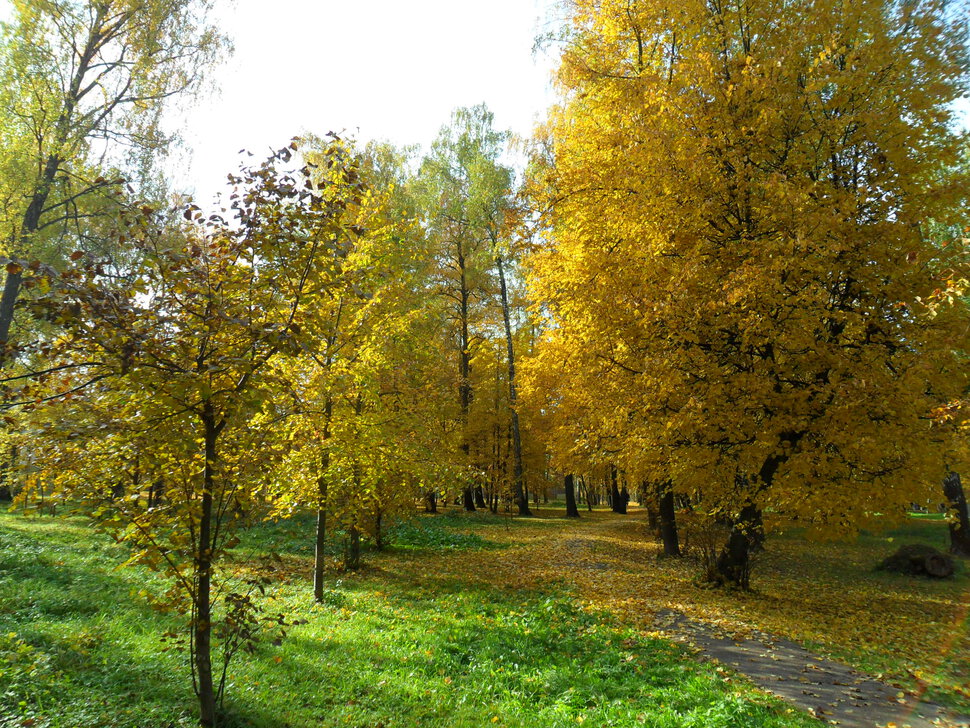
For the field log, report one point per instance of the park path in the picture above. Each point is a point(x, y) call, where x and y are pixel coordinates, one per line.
point(827, 689)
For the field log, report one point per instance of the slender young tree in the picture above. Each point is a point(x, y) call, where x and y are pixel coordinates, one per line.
point(183, 357)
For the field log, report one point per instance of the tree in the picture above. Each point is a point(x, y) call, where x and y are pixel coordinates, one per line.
point(736, 249)
point(179, 362)
point(467, 195)
point(83, 87)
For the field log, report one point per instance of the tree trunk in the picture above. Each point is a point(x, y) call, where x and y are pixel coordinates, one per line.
point(518, 477)
point(6, 476)
point(571, 510)
point(649, 500)
point(668, 519)
point(352, 556)
point(202, 641)
point(588, 492)
point(960, 525)
point(733, 565)
point(464, 369)
point(480, 497)
point(320, 540)
point(617, 502)
point(379, 530)
point(430, 501)
point(29, 225)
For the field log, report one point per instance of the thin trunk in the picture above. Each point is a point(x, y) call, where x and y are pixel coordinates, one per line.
point(960, 525)
point(379, 530)
point(6, 476)
point(668, 519)
point(352, 556)
point(203, 572)
point(588, 491)
point(571, 510)
point(650, 502)
point(464, 371)
point(320, 539)
point(518, 477)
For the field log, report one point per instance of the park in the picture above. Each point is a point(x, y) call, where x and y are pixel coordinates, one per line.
point(654, 413)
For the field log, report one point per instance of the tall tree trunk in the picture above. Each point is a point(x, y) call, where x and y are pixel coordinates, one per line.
point(203, 576)
point(464, 370)
point(518, 477)
point(571, 510)
point(957, 503)
point(320, 540)
point(668, 519)
point(480, 497)
point(430, 501)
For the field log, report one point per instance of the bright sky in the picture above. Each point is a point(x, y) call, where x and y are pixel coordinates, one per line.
point(375, 69)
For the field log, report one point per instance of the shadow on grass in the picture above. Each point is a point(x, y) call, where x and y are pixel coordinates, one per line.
point(456, 655)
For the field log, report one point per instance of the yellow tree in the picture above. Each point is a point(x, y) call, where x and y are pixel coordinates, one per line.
point(736, 194)
point(179, 360)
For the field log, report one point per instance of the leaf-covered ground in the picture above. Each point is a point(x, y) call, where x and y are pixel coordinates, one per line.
point(911, 631)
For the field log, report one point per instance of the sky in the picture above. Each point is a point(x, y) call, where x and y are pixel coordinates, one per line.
point(370, 69)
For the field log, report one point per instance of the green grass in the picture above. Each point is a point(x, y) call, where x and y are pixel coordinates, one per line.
point(78, 648)
point(294, 536)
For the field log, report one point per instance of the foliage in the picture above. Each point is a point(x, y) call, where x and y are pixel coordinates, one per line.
point(83, 87)
point(177, 365)
point(735, 252)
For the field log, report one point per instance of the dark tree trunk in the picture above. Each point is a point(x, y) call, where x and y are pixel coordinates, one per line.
point(518, 473)
point(29, 225)
point(668, 519)
point(202, 638)
point(430, 502)
point(571, 510)
point(155, 493)
point(617, 502)
point(957, 503)
point(464, 367)
point(588, 492)
point(480, 497)
point(379, 530)
point(352, 556)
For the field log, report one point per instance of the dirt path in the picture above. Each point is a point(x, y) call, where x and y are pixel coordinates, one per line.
point(824, 688)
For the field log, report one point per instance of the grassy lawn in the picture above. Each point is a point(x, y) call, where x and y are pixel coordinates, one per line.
point(407, 642)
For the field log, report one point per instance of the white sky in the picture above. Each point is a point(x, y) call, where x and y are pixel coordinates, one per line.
point(374, 69)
